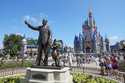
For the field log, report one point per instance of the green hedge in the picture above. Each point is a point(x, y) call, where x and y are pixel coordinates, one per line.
point(12, 79)
point(85, 78)
point(16, 64)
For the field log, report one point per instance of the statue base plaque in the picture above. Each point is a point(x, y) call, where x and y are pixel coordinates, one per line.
point(48, 75)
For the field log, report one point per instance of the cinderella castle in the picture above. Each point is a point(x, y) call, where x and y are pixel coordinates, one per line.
point(90, 40)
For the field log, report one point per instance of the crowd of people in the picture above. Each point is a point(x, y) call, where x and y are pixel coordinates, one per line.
point(109, 64)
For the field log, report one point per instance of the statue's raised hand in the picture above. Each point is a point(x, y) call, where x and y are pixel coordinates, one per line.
point(26, 22)
point(30, 26)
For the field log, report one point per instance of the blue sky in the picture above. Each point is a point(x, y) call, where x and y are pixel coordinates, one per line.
point(65, 17)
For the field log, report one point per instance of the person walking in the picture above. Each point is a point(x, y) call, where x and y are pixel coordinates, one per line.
point(101, 64)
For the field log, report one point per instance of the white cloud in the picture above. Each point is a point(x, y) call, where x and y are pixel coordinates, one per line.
point(27, 17)
point(114, 39)
point(43, 15)
point(36, 20)
point(32, 19)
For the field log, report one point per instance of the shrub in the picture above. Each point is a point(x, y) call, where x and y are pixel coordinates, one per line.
point(12, 79)
point(85, 78)
point(16, 64)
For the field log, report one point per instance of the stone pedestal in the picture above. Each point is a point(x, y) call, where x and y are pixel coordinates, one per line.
point(48, 75)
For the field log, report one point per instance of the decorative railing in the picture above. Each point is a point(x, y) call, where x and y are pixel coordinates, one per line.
point(12, 71)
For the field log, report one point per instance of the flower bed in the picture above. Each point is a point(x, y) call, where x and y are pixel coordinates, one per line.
point(11, 79)
point(85, 78)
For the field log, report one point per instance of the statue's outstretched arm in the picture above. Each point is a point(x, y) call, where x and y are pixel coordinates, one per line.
point(32, 27)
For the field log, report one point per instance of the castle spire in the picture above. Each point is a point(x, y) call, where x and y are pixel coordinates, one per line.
point(90, 8)
point(91, 21)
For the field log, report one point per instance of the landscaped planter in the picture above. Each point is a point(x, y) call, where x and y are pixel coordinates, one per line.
point(11, 79)
point(85, 78)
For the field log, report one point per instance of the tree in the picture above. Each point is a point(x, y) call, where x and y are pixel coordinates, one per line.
point(13, 43)
point(3, 56)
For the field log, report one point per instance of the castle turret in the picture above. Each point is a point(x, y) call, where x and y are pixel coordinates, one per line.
point(90, 19)
point(107, 44)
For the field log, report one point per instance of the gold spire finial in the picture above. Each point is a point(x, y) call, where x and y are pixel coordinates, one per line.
point(90, 6)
